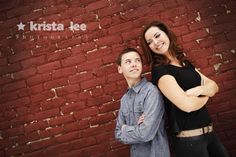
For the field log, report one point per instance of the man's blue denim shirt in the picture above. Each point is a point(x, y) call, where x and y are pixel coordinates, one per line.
point(149, 138)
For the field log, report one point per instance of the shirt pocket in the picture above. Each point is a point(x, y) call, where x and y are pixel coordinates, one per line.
point(138, 109)
point(125, 112)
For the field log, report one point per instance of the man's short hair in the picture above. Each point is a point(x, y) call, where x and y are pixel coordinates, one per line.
point(127, 50)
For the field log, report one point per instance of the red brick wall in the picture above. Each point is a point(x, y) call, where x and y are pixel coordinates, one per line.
point(60, 91)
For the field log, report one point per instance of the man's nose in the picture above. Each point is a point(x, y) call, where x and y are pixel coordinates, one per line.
point(133, 64)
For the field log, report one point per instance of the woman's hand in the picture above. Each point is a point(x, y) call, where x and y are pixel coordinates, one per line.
point(196, 91)
point(141, 119)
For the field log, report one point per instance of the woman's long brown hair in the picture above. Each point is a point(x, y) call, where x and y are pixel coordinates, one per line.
point(174, 49)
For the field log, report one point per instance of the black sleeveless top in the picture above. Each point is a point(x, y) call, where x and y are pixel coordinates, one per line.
point(187, 78)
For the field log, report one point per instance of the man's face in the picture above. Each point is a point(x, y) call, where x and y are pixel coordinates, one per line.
point(131, 65)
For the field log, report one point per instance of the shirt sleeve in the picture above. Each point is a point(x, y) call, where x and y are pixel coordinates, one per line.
point(158, 72)
point(146, 131)
point(119, 122)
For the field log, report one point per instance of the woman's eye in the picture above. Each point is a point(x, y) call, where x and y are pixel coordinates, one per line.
point(149, 42)
point(157, 36)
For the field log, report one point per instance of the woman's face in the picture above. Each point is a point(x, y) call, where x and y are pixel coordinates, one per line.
point(157, 40)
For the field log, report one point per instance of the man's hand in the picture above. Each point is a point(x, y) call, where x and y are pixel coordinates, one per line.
point(141, 119)
point(122, 128)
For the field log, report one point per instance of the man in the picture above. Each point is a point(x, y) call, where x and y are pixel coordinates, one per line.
point(140, 122)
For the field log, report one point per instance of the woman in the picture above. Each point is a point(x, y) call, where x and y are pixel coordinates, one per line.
point(186, 92)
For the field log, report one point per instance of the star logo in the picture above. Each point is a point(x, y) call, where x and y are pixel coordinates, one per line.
point(20, 26)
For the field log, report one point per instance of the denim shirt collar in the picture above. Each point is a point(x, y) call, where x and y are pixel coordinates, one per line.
point(138, 86)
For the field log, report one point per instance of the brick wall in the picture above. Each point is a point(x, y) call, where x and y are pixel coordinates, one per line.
point(60, 91)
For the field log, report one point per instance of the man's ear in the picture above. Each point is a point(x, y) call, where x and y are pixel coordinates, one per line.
point(119, 69)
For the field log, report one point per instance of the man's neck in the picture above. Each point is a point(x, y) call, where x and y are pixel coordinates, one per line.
point(133, 82)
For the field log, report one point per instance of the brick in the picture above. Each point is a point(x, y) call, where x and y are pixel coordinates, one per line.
point(89, 65)
point(18, 11)
point(10, 68)
point(229, 115)
point(13, 132)
point(48, 67)
point(67, 89)
point(84, 95)
point(46, 114)
point(53, 103)
point(42, 96)
point(42, 144)
point(108, 107)
point(5, 143)
point(207, 42)
point(18, 102)
point(68, 137)
point(169, 4)
point(19, 56)
point(82, 124)
point(105, 22)
point(73, 60)
point(58, 149)
point(221, 28)
point(97, 5)
point(85, 142)
point(173, 12)
point(110, 11)
point(83, 47)
point(63, 72)
point(4, 125)
point(101, 119)
point(10, 114)
point(220, 107)
point(92, 26)
point(98, 53)
point(73, 107)
point(86, 113)
point(51, 132)
point(69, 43)
point(133, 34)
point(227, 67)
point(195, 35)
point(34, 154)
point(58, 55)
point(106, 41)
point(3, 61)
point(96, 149)
point(99, 100)
point(41, 125)
point(37, 79)
point(72, 12)
point(120, 27)
point(109, 59)
point(60, 120)
point(55, 83)
point(24, 74)
point(13, 86)
point(18, 150)
point(36, 88)
point(108, 136)
point(31, 17)
point(91, 83)
point(24, 110)
point(33, 61)
point(224, 46)
point(22, 48)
